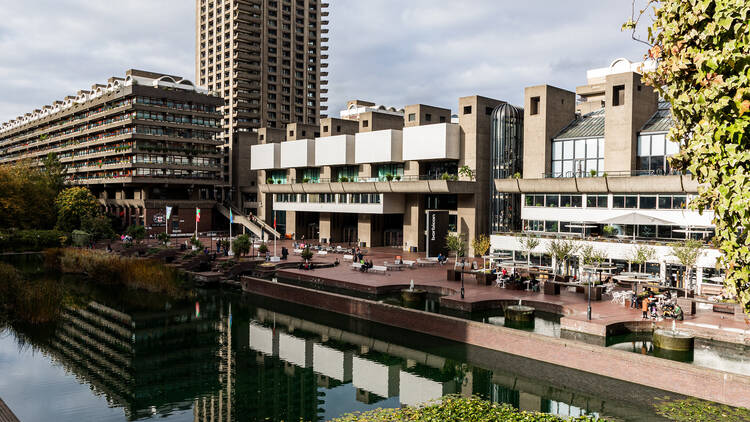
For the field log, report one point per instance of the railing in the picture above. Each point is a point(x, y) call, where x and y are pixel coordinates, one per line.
point(626, 173)
point(412, 178)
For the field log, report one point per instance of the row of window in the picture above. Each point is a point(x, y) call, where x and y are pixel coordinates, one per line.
point(623, 230)
point(579, 156)
point(646, 202)
point(176, 159)
point(330, 198)
point(177, 118)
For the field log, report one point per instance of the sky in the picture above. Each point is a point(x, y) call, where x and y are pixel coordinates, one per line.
point(391, 52)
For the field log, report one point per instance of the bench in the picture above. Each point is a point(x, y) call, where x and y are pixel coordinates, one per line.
point(322, 253)
point(423, 262)
point(378, 269)
point(410, 264)
point(297, 251)
point(348, 257)
point(356, 266)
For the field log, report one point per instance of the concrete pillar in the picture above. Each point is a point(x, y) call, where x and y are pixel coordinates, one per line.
point(291, 224)
point(364, 229)
point(324, 228)
point(365, 171)
point(326, 173)
point(414, 222)
point(411, 170)
point(467, 224)
point(663, 270)
point(699, 278)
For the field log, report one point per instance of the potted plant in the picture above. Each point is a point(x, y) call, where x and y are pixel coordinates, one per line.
point(262, 249)
point(343, 179)
point(592, 172)
point(305, 180)
point(389, 177)
point(398, 177)
point(269, 181)
point(455, 244)
point(306, 254)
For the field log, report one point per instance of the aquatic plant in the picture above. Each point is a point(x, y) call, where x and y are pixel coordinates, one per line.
point(34, 302)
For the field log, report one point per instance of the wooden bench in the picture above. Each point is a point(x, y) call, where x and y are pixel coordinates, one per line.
point(378, 269)
point(348, 258)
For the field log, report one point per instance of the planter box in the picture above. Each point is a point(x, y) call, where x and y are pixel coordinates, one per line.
point(485, 279)
point(551, 289)
point(687, 305)
point(725, 308)
point(596, 292)
point(453, 275)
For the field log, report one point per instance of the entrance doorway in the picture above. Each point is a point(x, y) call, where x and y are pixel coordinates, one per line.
point(393, 237)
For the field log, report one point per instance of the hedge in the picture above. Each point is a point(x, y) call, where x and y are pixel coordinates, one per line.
point(31, 240)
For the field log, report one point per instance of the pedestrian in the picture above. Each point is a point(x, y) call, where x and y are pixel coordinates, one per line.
point(218, 246)
point(644, 307)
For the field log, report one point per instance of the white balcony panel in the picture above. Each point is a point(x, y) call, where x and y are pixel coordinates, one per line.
point(595, 215)
point(299, 153)
point(263, 339)
point(375, 377)
point(296, 350)
point(332, 363)
point(334, 150)
point(380, 146)
point(432, 142)
point(265, 156)
point(389, 204)
point(415, 390)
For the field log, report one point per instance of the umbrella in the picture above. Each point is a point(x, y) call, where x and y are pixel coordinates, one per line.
point(636, 218)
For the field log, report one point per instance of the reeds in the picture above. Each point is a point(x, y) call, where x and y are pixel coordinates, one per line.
point(34, 302)
point(108, 268)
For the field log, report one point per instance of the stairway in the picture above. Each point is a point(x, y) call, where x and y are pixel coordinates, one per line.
point(255, 225)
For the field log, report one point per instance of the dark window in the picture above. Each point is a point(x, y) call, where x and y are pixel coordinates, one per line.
point(428, 117)
point(488, 110)
point(365, 123)
point(338, 128)
point(648, 202)
point(325, 128)
point(553, 200)
point(538, 200)
point(467, 109)
point(618, 95)
point(618, 201)
point(412, 117)
point(303, 133)
point(291, 133)
point(631, 201)
point(442, 119)
point(665, 202)
point(261, 137)
point(534, 109)
point(550, 226)
point(679, 202)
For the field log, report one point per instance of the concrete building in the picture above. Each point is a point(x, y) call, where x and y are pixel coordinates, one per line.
point(371, 176)
point(266, 59)
point(140, 143)
point(595, 166)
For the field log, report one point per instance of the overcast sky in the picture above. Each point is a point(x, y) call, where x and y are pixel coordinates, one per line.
point(391, 52)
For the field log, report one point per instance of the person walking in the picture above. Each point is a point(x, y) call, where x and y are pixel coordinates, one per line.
point(644, 307)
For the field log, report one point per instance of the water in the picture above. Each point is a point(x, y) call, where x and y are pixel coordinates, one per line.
point(118, 355)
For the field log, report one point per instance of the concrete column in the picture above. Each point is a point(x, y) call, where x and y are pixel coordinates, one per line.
point(411, 170)
point(414, 222)
point(324, 227)
point(663, 270)
point(699, 278)
point(365, 171)
point(467, 224)
point(326, 173)
point(364, 229)
point(291, 224)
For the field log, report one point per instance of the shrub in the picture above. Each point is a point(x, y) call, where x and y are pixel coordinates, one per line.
point(241, 245)
point(262, 248)
point(31, 240)
point(137, 232)
point(609, 231)
point(389, 177)
point(306, 254)
point(196, 242)
point(163, 238)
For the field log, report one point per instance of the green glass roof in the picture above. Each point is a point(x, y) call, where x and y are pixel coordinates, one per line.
point(590, 125)
point(661, 121)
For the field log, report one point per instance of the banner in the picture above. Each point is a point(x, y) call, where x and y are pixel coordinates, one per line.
point(169, 212)
point(231, 217)
point(197, 215)
point(437, 229)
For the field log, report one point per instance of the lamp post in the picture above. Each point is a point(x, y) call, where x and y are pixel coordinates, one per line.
point(463, 261)
point(588, 310)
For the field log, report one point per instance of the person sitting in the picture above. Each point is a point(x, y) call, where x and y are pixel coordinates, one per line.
point(336, 262)
point(441, 258)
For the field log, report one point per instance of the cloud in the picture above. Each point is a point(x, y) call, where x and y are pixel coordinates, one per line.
point(392, 52)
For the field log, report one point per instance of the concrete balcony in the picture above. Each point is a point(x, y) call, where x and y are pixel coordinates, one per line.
point(265, 156)
point(431, 142)
point(300, 153)
point(334, 150)
point(388, 204)
point(401, 186)
point(604, 184)
point(380, 146)
point(375, 377)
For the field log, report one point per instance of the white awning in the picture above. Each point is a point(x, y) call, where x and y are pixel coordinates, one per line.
point(635, 218)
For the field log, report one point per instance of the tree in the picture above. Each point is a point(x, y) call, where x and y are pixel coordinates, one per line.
point(687, 254)
point(455, 243)
point(55, 172)
point(137, 232)
point(241, 245)
point(27, 200)
point(529, 243)
point(73, 205)
point(561, 250)
point(263, 248)
point(592, 256)
point(641, 254)
point(481, 244)
point(98, 226)
point(163, 237)
point(701, 49)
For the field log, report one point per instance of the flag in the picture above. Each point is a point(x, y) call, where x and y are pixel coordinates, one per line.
point(169, 212)
point(231, 217)
point(197, 215)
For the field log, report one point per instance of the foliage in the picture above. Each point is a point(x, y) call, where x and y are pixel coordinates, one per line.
point(592, 256)
point(528, 243)
point(54, 172)
point(263, 248)
point(455, 243)
point(481, 244)
point(31, 240)
point(80, 238)
point(163, 237)
point(103, 267)
point(609, 231)
point(73, 205)
point(35, 302)
point(306, 254)
point(455, 408)
point(687, 254)
point(696, 410)
point(561, 250)
point(389, 177)
point(196, 242)
point(241, 245)
point(702, 50)
point(467, 172)
point(98, 225)
point(641, 254)
point(449, 177)
point(137, 232)
point(27, 199)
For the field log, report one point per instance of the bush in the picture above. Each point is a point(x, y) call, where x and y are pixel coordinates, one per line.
point(306, 254)
point(262, 248)
point(163, 237)
point(196, 242)
point(31, 240)
point(241, 245)
point(80, 238)
point(455, 408)
point(137, 232)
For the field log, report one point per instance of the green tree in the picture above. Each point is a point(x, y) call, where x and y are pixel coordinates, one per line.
point(455, 243)
point(528, 243)
point(702, 51)
point(98, 226)
point(137, 232)
point(27, 200)
point(55, 172)
point(481, 244)
point(641, 254)
point(73, 205)
point(561, 250)
point(687, 254)
point(592, 256)
point(241, 245)
point(163, 237)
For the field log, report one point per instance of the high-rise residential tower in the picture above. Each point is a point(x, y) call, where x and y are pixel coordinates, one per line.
point(266, 59)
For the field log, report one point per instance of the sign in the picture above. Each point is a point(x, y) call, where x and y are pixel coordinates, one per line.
point(197, 215)
point(158, 220)
point(437, 229)
point(231, 217)
point(169, 212)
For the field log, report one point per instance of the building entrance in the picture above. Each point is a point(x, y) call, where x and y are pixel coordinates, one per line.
point(393, 237)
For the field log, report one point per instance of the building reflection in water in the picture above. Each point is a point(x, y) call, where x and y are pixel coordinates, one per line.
point(227, 360)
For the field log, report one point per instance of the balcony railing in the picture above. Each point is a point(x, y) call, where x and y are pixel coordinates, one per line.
point(581, 174)
point(450, 177)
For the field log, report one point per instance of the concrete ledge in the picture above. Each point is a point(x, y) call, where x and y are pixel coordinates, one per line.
point(614, 184)
point(712, 385)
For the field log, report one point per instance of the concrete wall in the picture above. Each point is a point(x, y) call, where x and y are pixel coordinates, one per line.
point(334, 150)
point(265, 157)
point(381, 146)
point(299, 153)
point(432, 142)
point(332, 126)
point(425, 115)
point(556, 110)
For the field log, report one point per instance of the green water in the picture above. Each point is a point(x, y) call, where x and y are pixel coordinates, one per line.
point(117, 355)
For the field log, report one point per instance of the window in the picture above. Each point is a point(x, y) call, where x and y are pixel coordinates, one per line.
point(488, 110)
point(412, 117)
point(577, 157)
point(442, 119)
point(325, 128)
point(648, 202)
point(467, 109)
point(653, 153)
point(618, 95)
point(428, 117)
point(597, 201)
point(365, 123)
point(534, 106)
